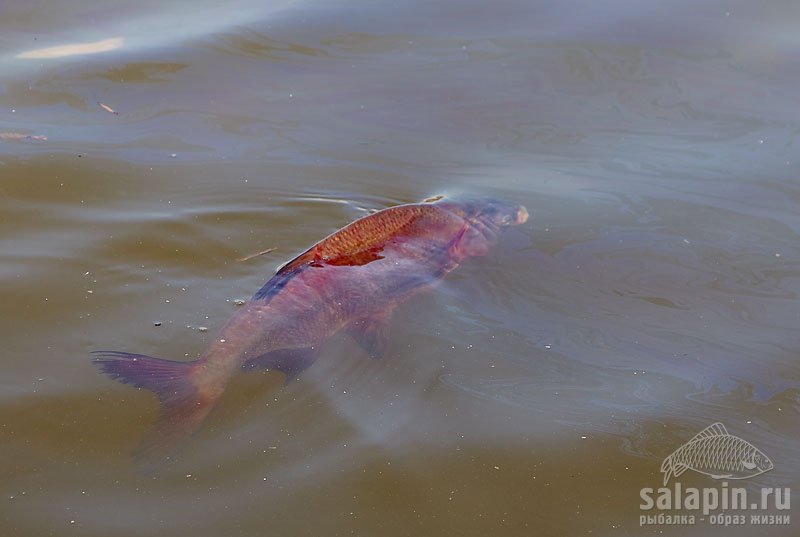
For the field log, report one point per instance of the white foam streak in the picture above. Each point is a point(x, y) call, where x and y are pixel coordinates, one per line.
point(73, 49)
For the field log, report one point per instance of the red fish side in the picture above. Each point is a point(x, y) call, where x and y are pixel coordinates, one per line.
point(352, 280)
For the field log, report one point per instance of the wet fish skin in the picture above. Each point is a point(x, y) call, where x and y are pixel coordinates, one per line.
point(718, 454)
point(352, 281)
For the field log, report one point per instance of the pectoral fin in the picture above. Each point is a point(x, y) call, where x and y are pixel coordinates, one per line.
point(372, 333)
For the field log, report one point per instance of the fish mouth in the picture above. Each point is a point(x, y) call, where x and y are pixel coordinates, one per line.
point(522, 216)
point(514, 216)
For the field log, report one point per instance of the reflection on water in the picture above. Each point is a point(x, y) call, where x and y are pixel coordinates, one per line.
point(652, 292)
point(72, 49)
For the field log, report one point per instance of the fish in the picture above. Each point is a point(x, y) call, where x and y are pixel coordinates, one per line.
point(718, 454)
point(351, 281)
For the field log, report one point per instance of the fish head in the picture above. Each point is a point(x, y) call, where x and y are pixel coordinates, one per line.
point(759, 461)
point(494, 213)
point(485, 219)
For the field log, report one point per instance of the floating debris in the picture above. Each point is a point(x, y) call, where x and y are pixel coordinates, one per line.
point(239, 301)
point(202, 329)
point(251, 256)
point(157, 323)
point(107, 108)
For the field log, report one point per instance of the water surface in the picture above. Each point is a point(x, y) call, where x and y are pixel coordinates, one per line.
point(653, 292)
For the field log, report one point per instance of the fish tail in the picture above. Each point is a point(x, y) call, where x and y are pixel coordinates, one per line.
point(183, 406)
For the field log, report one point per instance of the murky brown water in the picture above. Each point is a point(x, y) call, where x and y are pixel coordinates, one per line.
point(654, 290)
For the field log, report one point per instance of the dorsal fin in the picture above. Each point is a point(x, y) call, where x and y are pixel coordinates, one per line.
point(715, 429)
point(306, 258)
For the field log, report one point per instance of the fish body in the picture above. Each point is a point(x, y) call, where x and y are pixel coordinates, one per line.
point(350, 281)
point(718, 454)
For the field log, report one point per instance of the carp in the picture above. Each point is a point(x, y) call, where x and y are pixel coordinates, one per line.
point(350, 281)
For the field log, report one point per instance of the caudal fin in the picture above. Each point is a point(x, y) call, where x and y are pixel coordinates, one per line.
point(183, 406)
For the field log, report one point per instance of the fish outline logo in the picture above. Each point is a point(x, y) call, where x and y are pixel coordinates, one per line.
point(718, 454)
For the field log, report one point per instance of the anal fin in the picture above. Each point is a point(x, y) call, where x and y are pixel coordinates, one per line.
point(679, 468)
point(292, 362)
